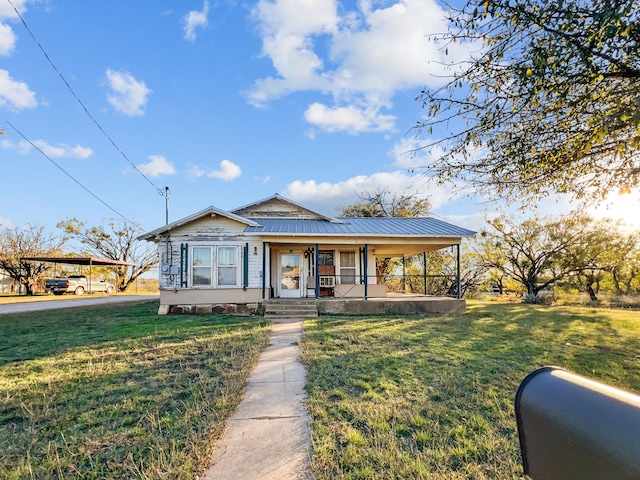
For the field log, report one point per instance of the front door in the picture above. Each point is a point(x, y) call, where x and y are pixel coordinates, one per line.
point(290, 275)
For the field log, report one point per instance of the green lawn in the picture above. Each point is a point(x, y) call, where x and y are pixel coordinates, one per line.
point(119, 392)
point(432, 398)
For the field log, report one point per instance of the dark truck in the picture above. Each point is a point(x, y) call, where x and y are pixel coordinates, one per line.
point(78, 284)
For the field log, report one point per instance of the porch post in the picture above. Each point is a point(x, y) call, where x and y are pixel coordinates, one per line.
point(424, 270)
point(458, 271)
point(404, 276)
point(264, 270)
point(315, 260)
point(366, 270)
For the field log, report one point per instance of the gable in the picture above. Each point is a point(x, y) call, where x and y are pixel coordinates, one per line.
point(209, 225)
point(207, 219)
point(278, 207)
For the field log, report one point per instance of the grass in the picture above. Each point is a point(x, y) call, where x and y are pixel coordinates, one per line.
point(119, 392)
point(432, 398)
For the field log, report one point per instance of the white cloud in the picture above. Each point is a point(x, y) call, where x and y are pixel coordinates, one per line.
point(195, 19)
point(410, 152)
point(61, 151)
point(263, 180)
point(475, 221)
point(158, 165)
point(329, 197)
point(360, 57)
point(127, 95)
point(228, 171)
point(7, 10)
point(6, 223)
point(352, 119)
point(7, 39)
point(14, 94)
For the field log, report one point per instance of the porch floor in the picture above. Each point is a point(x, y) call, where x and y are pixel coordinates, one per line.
point(393, 303)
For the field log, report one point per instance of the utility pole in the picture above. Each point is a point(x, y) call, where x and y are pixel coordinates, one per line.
point(166, 219)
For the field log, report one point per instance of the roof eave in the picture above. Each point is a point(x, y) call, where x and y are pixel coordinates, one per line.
point(191, 218)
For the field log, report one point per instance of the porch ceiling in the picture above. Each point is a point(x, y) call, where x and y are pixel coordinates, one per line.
point(381, 250)
point(405, 250)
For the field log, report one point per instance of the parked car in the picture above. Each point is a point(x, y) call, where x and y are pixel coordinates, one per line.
point(78, 284)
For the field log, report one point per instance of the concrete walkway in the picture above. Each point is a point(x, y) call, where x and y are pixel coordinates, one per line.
point(268, 437)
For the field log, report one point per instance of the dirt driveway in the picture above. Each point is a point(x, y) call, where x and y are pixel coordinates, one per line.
point(20, 307)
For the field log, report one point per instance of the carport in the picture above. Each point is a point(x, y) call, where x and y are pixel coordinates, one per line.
point(90, 261)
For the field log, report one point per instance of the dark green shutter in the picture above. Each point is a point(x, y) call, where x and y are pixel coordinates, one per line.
point(245, 277)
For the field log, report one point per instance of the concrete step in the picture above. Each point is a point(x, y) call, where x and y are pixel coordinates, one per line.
point(290, 308)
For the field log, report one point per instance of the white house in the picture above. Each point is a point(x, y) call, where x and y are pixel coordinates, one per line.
point(276, 248)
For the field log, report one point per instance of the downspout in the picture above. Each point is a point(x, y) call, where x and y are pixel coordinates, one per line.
point(90, 278)
point(366, 279)
point(458, 272)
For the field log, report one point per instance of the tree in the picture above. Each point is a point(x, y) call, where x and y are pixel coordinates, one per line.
point(625, 264)
point(551, 102)
point(32, 241)
point(115, 242)
point(538, 252)
point(620, 260)
point(378, 204)
point(443, 266)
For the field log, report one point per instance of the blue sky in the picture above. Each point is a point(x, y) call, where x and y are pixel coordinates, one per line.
point(224, 102)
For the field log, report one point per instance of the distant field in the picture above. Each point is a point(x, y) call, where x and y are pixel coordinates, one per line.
point(432, 398)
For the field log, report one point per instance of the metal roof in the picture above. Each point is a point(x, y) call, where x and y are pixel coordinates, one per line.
point(386, 227)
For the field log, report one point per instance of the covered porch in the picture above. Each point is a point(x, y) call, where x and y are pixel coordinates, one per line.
point(367, 271)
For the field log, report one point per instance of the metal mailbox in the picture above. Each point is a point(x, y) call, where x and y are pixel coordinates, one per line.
point(571, 427)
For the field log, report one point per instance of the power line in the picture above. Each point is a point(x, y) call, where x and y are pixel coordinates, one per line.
point(160, 191)
point(71, 176)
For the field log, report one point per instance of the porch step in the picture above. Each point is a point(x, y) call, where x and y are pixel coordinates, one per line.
point(290, 308)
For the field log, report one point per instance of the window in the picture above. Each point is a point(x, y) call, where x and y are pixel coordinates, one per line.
point(325, 258)
point(227, 266)
point(214, 266)
point(202, 266)
point(348, 268)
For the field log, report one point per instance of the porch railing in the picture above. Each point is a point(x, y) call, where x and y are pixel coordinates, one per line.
point(352, 285)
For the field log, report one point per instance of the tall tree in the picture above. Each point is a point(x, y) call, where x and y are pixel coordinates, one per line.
point(550, 103)
point(32, 241)
point(538, 252)
point(621, 260)
point(378, 204)
point(115, 242)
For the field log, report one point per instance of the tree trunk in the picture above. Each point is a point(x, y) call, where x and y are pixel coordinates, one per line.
point(592, 293)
